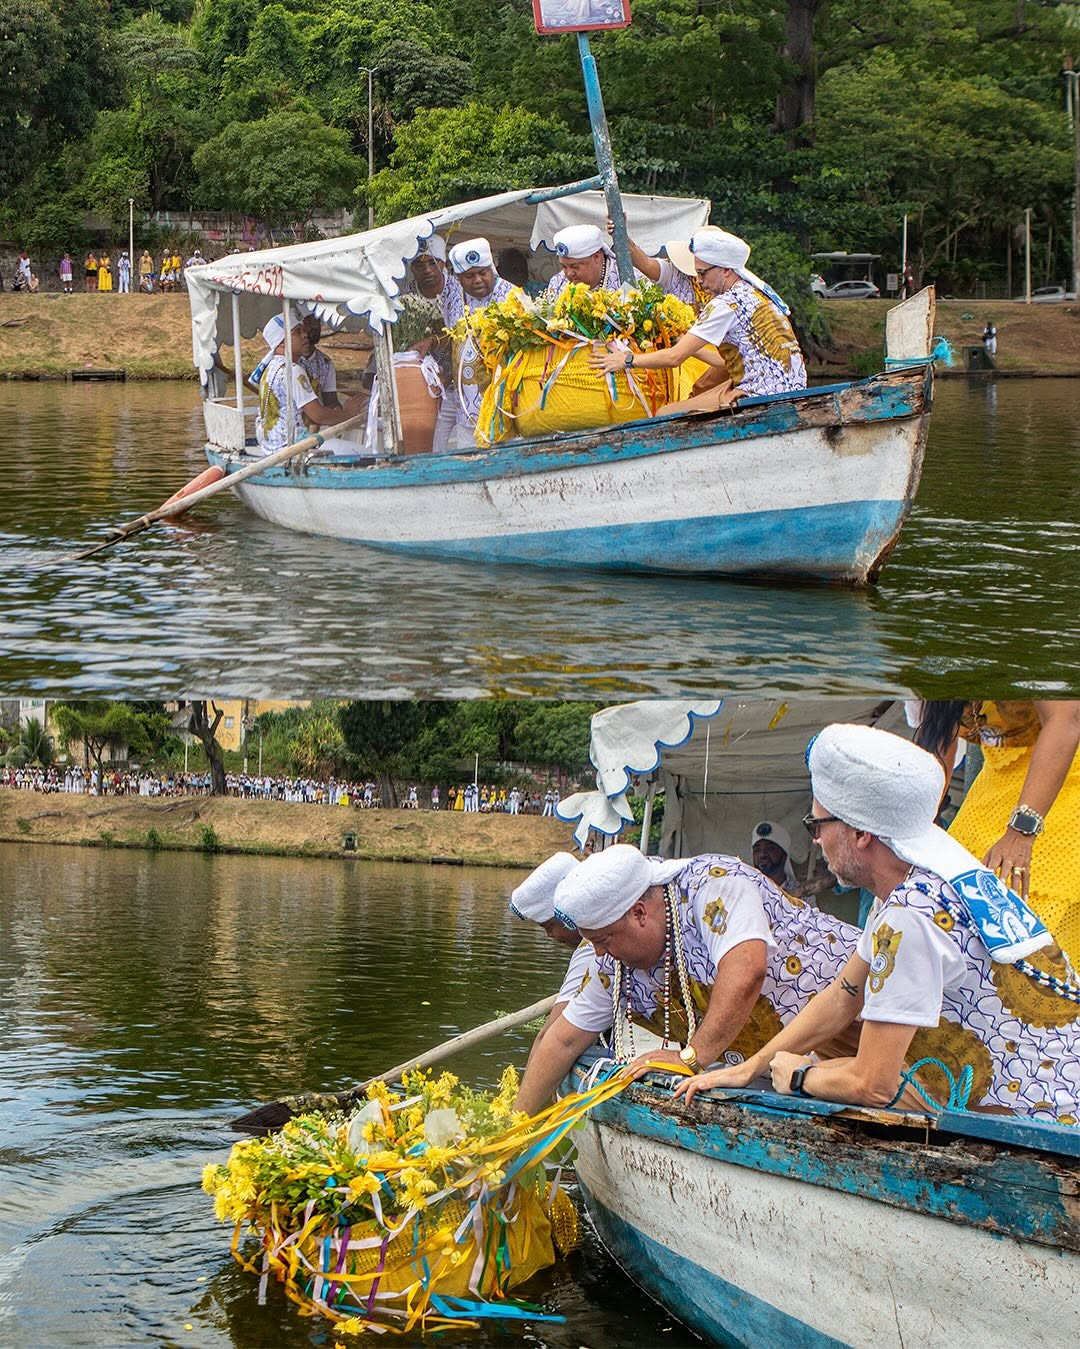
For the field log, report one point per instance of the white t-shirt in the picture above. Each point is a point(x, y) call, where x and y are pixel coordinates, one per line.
point(755, 338)
point(576, 971)
point(722, 903)
point(672, 281)
point(271, 430)
point(929, 968)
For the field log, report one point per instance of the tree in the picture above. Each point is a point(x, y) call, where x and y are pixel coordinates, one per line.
point(379, 735)
point(556, 735)
point(203, 721)
point(279, 169)
point(101, 725)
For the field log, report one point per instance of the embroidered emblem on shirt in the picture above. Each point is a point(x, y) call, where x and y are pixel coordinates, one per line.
point(886, 944)
point(716, 915)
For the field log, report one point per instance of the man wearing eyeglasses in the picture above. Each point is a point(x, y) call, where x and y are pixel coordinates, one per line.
point(954, 974)
point(744, 328)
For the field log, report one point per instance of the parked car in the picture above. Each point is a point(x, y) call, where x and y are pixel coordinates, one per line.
point(853, 290)
point(817, 284)
point(1048, 295)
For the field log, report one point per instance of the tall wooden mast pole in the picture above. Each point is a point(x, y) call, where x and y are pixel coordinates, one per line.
point(605, 161)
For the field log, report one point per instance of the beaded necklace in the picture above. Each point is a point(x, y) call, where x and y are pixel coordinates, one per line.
point(622, 1026)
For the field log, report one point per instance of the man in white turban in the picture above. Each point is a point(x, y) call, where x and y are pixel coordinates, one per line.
point(534, 901)
point(431, 280)
point(746, 323)
point(770, 845)
point(478, 284)
point(705, 952)
point(584, 256)
point(272, 429)
point(953, 971)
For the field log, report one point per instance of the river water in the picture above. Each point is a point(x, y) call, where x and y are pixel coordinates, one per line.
point(982, 582)
point(147, 998)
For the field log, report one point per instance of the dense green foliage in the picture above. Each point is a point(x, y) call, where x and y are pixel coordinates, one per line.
point(811, 124)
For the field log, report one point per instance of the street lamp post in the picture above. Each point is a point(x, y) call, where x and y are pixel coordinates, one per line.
point(369, 71)
point(131, 240)
point(1072, 85)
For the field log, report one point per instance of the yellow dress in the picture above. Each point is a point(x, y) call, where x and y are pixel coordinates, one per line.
point(104, 276)
point(1006, 733)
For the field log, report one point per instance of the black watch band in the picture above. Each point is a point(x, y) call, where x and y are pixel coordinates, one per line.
point(798, 1077)
point(628, 360)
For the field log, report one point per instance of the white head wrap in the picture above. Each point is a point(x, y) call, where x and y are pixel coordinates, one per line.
point(720, 249)
point(273, 331)
point(471, 253)
point(882, 783)
point(534, 898)
point(435, 246)
point(607, 884)
point(580, 241)
point(772, 832)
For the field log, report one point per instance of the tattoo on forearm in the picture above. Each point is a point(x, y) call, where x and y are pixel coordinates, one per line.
point(849, 987)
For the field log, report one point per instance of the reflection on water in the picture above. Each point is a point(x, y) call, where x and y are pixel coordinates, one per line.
point(147, 998)
point(981, 581)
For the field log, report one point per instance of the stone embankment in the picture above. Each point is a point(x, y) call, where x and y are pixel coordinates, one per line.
point(279, 828)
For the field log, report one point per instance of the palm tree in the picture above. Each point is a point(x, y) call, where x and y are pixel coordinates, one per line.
point(36, 743)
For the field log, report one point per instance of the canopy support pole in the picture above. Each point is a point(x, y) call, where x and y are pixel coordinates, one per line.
point(646, 818)
point(605, 161)
point(237, 364)
point(286, 310)
point(389, 411)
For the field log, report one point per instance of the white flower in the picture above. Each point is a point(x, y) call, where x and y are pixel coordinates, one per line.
point(442, 1127)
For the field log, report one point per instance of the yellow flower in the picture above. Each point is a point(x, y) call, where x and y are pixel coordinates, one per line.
point(365, 1184)
point(415, 1187)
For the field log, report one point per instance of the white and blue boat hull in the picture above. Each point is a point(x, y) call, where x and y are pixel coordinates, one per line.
point(815, 485)
point(758, 1223)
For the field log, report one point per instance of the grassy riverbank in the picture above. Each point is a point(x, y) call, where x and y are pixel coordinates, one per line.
point(276, 828)
point(149, 336)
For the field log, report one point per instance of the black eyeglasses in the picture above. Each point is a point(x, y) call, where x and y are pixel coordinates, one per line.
point(813, 823)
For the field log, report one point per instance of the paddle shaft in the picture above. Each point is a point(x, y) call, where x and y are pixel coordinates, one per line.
point(464, 1041)
point(167, 511)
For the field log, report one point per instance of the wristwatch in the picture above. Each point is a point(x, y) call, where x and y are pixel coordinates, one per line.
point(690, 1058)
point(1026, 821)
point(797, 1078)
point(628, 361)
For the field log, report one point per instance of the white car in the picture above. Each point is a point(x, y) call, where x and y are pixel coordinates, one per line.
point(817, 284)
point(1048, 295)
point(853, 290)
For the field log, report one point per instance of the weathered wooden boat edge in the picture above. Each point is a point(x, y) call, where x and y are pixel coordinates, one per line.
point(984, 1206)
point(843, 541)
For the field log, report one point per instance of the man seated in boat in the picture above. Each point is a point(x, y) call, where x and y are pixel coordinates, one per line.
point(770, 852)
point(478, 284)
point(746, 322)
point(954, 974)
point(584, 256)
point(705, 952)
point(271, 425)
point(315, 363)
point(430, 280)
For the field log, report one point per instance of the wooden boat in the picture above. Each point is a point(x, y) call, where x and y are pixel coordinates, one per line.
point(760, 1219)
point(815, 484)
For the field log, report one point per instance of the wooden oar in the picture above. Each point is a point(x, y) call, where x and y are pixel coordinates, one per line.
point(266, 1118)
point(178, 504)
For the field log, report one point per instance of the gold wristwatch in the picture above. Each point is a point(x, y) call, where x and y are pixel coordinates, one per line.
point(690, 1058)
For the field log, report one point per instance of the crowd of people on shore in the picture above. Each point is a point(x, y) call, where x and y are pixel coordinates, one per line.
point(104, 270)
point(135, 781)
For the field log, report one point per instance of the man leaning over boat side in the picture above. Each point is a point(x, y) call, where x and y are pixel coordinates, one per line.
point(705, 952)
point(585, 256)
point(534, 902)
point(271, 429)
point(746, 322)
point(479, 284)
point(954, 974)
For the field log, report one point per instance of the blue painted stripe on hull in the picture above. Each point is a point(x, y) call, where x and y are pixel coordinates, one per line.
point(702, 1300)
point(820, 542)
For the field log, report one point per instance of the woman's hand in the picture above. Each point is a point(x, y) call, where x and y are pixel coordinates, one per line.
point(738, 1075)
point(1010, 858)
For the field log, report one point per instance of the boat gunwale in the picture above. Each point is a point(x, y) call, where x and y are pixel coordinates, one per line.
point(774, 414)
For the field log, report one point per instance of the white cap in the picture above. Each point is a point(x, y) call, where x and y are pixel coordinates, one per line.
point(470, 253)
point(720, 249)
point(534, 898)
point(609, 883)
point(771, 832)
point(274, 330)
point(580, 241)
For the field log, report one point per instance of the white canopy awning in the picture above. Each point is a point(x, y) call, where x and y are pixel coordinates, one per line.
point(357, 280)
point(723, 766)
